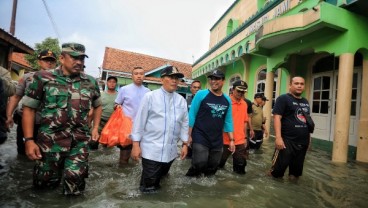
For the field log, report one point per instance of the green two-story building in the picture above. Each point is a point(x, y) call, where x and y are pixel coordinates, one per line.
point(266, 42)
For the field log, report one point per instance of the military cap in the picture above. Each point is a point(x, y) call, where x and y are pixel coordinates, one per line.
point(171, 70)
point(240, 85)
point(46, 54)
point(74, 49)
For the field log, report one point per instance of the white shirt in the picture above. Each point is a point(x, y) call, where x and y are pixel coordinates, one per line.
point(129, 97)
point(162, 119)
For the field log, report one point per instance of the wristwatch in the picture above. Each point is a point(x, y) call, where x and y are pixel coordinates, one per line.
point(231, 140)
point(27, 139)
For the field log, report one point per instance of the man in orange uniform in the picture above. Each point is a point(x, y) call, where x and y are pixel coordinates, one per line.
point(240, 119)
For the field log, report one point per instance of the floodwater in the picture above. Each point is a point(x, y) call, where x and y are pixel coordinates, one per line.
point(323, 184)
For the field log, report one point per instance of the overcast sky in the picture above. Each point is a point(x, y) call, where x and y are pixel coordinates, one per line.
point(172, 29)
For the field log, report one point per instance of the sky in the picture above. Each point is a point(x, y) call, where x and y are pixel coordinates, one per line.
point(173, 29)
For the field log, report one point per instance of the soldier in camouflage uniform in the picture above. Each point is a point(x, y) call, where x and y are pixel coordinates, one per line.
point(7, 89)
point(65, 95)
point(46, 61)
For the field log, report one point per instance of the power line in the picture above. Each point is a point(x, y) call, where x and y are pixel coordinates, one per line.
point(51, 19)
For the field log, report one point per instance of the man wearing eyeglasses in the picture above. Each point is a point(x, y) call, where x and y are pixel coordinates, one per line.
point(46, 61)
point(161, 120)
point(64, 95)
point(209, 116)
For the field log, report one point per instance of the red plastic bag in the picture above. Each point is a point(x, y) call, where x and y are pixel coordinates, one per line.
point(117, 130)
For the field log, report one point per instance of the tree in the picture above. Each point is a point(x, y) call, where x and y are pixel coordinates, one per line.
point(48, 43)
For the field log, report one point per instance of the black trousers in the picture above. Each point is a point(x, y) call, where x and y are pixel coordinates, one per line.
point(152, 173)
point(292, 156)
point(239, 158)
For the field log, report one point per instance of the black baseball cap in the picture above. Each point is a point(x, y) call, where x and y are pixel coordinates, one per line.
point(258, 95)
point(217, 73)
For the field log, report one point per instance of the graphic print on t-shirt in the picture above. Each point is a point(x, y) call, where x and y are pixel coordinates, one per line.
point(298, 112)
point(218, 110)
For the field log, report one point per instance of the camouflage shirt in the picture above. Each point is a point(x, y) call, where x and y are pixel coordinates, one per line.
point(20, 90)
point(65, 102)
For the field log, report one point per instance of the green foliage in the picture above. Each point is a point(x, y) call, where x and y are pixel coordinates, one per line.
point(48, 43)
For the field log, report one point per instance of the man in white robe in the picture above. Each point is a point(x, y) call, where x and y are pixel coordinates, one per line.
point(161, 120)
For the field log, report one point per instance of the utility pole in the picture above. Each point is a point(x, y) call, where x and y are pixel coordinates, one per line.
point(12, 31)
point(14, 15)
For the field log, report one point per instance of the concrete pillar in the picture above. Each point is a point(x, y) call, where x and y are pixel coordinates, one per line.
point(268, 93)
point(362, 146)
point(343, 105)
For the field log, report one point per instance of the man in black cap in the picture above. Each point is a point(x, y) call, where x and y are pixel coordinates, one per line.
point(258, 122)
point(161, 120)
point(209, 116)
point(46, 61)
point(240, 119)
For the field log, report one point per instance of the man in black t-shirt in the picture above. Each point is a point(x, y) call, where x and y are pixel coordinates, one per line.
point(292, 134)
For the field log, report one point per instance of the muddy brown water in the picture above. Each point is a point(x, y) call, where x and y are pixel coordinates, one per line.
point(323, 184)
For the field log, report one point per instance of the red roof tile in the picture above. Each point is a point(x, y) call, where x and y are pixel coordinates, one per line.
point(125, 61)
point(19, 59)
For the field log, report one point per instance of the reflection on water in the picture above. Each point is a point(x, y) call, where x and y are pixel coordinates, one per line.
point(324, 184)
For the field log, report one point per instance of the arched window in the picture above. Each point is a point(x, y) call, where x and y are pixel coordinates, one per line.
point(261, 84)
point(261, 81)
point(240, 51)
point(233, 55)
point(229, 28)
point(247, 47)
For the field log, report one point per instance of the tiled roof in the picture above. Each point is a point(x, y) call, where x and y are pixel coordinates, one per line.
point(19, 59)
point(11, 40)
point(125, 61)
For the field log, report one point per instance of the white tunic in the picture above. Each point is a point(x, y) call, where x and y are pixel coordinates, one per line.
point(161, 120)
point(129, 97)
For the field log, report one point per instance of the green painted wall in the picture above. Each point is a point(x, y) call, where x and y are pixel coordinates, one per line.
point(284, 84)
point(236, 68)
point(124, 81)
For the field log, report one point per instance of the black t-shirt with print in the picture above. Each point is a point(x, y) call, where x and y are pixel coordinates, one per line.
point(293, 124)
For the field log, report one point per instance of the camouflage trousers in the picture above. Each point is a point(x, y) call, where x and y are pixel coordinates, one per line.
point(70, 166)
